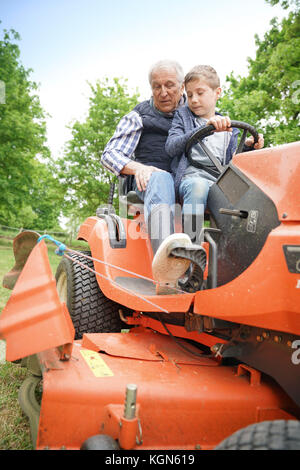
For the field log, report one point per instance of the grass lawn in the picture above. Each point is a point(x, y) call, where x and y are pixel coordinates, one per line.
point(14, 425)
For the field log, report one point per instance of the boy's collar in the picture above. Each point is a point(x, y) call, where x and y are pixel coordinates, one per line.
point(195, 115)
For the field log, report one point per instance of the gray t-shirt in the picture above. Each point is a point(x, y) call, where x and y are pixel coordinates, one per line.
point(217, 143)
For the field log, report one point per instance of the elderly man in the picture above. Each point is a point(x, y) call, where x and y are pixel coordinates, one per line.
point(143, 133)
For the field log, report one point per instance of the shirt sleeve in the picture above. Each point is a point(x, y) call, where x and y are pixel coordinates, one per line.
point(121, 146)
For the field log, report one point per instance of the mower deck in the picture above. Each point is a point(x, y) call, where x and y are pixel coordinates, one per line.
point(89, 389)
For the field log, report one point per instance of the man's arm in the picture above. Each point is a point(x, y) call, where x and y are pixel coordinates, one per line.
point(120, 148)
point(142, 173)
point(250, 141)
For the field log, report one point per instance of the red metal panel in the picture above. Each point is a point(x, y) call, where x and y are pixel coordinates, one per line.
point(34, 319)
point(266, 295)
point(145, 344)
point(137, 258)
point(181, 406)
point(277, 172)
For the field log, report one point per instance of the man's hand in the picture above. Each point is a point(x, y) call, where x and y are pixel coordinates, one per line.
point(142, 173)
point(258, 145)
point(221, 123)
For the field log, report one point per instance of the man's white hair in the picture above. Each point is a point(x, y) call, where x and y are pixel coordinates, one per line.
point(167, 65)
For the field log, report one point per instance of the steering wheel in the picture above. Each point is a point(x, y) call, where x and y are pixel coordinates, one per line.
point(200, 134)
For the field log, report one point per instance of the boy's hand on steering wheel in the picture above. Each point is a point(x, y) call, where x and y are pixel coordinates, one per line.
point(221, 123)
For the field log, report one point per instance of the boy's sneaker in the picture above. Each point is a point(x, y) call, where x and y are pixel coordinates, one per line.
point(192, 281)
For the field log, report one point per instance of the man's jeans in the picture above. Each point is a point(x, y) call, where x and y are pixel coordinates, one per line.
point(160, 190)
point(160, 196)
point(159, 207)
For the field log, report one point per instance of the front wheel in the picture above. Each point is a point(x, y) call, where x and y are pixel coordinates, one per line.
point(267, 435)
point(90, 310)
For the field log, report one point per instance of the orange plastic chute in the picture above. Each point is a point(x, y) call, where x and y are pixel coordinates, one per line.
point(34, 319)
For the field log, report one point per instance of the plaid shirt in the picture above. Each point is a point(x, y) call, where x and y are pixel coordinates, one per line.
point(120, 148)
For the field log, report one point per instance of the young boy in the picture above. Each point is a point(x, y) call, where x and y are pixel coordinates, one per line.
point(192, 184)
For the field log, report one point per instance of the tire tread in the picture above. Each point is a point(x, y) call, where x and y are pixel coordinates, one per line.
point(90, 310)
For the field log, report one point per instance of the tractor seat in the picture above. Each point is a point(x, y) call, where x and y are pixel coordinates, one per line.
point(133, 198)
point(130, 203)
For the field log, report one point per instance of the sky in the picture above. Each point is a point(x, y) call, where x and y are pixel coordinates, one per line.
point(69, 43)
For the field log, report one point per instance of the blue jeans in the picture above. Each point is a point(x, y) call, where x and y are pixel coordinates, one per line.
point(160, 197)
point(160, 190)
point(193, 193)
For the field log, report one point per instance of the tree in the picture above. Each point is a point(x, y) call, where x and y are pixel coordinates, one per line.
point(285, 3)
point(84, 180)
point(22, 140)
point(45, 197)
point(268, 96)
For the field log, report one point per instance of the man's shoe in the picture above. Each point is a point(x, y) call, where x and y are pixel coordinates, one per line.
point(168, 269)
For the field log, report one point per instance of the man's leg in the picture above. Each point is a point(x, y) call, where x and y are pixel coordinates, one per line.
point(159, 209)
point(159, 205)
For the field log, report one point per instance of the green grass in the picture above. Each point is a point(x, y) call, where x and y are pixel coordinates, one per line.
point(14, 425)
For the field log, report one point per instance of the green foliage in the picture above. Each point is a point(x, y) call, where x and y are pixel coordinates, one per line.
point(24, 180)
point(284, 3)
point(84, 180)
point(268, 97)
point(45, 197)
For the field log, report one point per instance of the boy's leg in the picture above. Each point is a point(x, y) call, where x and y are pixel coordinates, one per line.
point(193, 193)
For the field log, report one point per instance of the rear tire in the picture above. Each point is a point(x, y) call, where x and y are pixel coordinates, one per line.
point(267, 435)
point(90, 310)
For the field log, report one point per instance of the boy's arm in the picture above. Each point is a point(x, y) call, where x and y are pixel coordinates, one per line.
point(177, 137)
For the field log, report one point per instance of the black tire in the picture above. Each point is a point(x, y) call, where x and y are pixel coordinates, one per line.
point(90, 310)
point(100, 442)
point(267, 435)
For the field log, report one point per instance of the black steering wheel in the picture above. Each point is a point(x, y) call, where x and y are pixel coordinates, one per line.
point(200, 134)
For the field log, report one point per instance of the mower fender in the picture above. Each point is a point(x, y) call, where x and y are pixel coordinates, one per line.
point(34, 319)
point(125, 275)
point(23, 244)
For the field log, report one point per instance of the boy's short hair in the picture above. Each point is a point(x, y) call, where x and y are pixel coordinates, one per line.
point(206, 72)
